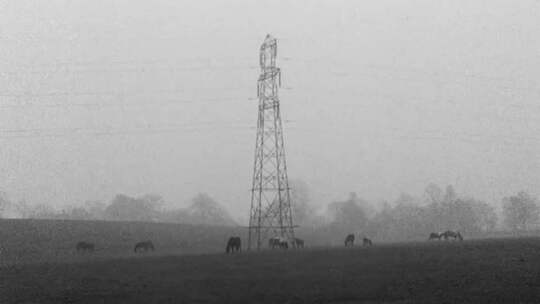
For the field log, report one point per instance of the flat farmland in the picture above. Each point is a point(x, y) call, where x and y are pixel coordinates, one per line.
point(476, 271)
point(24, 241)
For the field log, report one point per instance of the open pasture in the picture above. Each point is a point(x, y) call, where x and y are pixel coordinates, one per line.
point(24, 241)
point(476, 271)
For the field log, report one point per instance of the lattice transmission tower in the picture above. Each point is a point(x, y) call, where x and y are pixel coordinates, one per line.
point(271, 213)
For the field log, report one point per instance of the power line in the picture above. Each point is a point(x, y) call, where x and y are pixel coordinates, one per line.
point(66, 132)
point(172, 102)
point(114, 93)
point(123, 66)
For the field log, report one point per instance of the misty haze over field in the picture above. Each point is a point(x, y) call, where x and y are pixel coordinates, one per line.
point(379, 98)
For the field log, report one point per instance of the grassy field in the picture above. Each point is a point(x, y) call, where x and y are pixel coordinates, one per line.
point(25, 241)
point(478, 271)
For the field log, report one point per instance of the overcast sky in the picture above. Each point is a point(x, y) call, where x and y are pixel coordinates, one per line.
point(378, 97)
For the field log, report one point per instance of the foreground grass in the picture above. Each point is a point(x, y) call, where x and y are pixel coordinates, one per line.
point(484, 271)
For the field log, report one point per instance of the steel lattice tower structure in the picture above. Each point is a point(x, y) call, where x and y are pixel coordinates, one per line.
point(271, 213)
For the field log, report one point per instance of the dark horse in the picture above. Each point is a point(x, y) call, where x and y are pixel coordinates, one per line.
point(367, 242)
point(298, 243)
point(451, 234)
point(273, 242)
point(84, 247)
point(435, 235)
point(234, 244)
point(144, 246)
point(278, 242)
point(349, 240)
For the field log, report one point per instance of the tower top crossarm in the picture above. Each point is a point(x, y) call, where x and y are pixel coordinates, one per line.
point(269, 71)
point(268, 53)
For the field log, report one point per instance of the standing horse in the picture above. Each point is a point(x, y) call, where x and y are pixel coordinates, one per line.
point(84, 247)
point(234, 244)
point(435, 235)
point(144, 246)
point(349, 240)
point(278, 242)
point(367, 242)
point(273, 242)
point(298, 243)
point(451, 234)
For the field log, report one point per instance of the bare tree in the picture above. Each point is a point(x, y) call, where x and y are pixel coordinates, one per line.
point(348, 215)
point(303, 211)
point(434, 194)
point(520, 211)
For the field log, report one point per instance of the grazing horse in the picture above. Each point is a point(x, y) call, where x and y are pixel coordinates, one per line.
point(451, 234)
point(435, 235)
point(144, 246)
point(234, 244)
point(367, 242)
point(349, 240)
point(84, 247)
point(298, 243)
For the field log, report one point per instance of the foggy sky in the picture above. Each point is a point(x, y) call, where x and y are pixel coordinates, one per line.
point(378, 97)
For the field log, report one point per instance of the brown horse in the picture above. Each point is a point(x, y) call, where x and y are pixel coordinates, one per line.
point(367, 242)
point(349, 240)
point(451, 234)
point(278, 242)
point(298, 243)
point(234, 244)
point(84, 247)
point(143, 246)
point(435, 236)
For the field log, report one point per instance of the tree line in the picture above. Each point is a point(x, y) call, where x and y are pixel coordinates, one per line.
point(146, 208)
point(410, 217)
point(407, 217)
